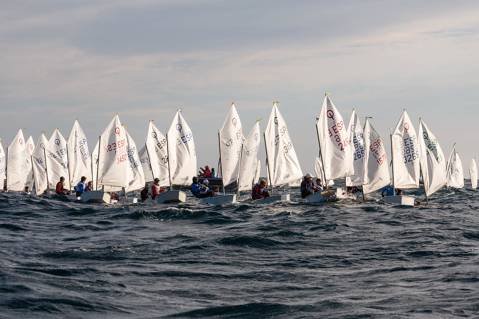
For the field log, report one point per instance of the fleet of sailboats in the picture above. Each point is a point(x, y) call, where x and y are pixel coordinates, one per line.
point(354, 153)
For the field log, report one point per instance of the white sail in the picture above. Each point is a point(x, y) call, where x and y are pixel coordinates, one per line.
point(145, 163)
point(57, 160)
point(433, 161)
point(282, 163)
point(376, 169)
point(40, 165)
point(30, 146)
point(181, 152)
point(18, 164)
point(334, 142)
point(455, 172)
point(157, 153)
point(473, 173)
point(136, 175)
point(249, 159)
point(3, 166)
point(94, 166)
point(230, 143)
point(79, 159)
point(357, 139)
point(405, 154)
point(113, 164)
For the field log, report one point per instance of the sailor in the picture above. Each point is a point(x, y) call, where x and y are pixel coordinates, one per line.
point(80, 188)
point(260, 190)
point(387, 191)
point(60, 189)
point(155, 189)
point(319, 184)
point(200, 190)
point(89, 186)
point(205, 172)
point(307, 186)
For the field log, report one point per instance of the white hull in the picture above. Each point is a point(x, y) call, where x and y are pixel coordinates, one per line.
point(99, 197)
point(220, 200)
point(171, 197)
point(274, 199)
point(400, 200)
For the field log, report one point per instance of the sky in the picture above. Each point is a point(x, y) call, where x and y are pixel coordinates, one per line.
point(91, 59)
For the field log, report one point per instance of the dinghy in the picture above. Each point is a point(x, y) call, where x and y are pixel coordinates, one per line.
point(432, 160)
point(18, 164)
point(455, 172)
point(40, 168)
point(78, 154)
point(405, 161)
point(112, 167)
point(136, 176)
point(376, 169)
point(182, 162)
point(281, 160)
point(250, 166)
point(335, 149)
point(230, 144)
point(58, 160)
point(473, 174)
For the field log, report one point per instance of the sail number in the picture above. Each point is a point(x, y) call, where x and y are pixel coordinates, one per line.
point(335, 132)
point(377, 150)
point(410, 151)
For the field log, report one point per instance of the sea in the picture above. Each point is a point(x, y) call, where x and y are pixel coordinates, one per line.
point(343, 259)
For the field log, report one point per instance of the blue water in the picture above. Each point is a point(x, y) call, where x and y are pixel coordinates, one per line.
point(339, 260)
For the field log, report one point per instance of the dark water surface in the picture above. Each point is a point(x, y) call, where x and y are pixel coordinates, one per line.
point(340, 260)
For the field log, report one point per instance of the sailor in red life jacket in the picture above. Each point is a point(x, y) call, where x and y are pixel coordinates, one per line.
point(206, 172)
point(155, 189)
point(59, 189)
point(260, 190)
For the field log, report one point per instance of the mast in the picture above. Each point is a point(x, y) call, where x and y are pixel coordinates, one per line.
point(98, 162)
point(421, 170)
point(239, 170)
point(33, 172)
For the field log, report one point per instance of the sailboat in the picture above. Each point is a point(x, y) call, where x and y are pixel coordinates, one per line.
point(230, 144)
point(432, 160)
point(473, 174)
point(40, 168)
point(79, 158)
point(356, 136)
point(112, 166)
point(182, 162)
point(405, 161)
point(455, 172)
point(335, 149)
point(154, 156)
point(136, 176)
point(58, 160)
point(281, 160)
point(18, 164)
point(3, 166)
point(30, 146)
point(376, 169)
point(250, 166)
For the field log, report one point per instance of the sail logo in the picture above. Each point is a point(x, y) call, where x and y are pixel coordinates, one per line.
point(117, 131)
point(179, 127)
point(234, 121)
point(330, 114)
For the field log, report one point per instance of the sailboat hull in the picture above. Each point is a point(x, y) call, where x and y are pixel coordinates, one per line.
point(220, 200)
point(400, 200)
point(98, 197)
point(171, 197)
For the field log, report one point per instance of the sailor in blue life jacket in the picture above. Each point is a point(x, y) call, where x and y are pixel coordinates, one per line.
point(307, 186)
point(260, 190)
point(387, 191)
point(200, 190)
point(81, 186)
